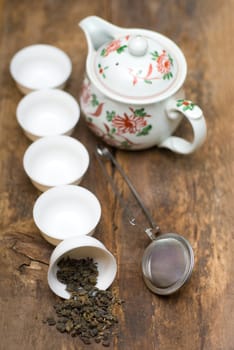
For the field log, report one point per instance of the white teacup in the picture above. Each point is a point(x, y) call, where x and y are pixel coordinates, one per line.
point(39, 67)
point(47, 112)
point(66, 211)
point(78, 248)
point(54, 161)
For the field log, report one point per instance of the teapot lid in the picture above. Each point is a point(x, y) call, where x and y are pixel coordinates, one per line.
point(135, 68)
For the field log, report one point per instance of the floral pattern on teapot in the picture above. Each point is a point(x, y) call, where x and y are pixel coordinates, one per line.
point(164, 63)
point(114, 128)
point(161, 70)
point(185, 105)
point(114, 46)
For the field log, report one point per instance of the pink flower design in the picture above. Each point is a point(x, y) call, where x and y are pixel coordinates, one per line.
point(163, 63)
point(128, 124)
point(86, 93)
point(106, 136)
point(146, 78)
point(113, 46)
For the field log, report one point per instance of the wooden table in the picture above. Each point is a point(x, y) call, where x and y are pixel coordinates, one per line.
point(188, 194)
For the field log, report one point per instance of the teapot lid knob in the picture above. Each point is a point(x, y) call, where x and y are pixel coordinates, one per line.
point(138, 46)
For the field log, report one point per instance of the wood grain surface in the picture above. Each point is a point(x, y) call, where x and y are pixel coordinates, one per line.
point(191, 194)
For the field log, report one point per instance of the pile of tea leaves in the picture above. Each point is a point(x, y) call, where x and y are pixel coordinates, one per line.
point(88, 313)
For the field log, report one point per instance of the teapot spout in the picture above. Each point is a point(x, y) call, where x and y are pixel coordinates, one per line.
point(98, 31)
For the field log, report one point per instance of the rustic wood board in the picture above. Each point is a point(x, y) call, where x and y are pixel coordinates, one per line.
point(188, 194)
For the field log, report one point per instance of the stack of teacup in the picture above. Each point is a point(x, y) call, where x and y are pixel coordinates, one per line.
point(55, 162)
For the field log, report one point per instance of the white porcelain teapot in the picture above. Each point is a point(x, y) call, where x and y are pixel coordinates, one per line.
point(132, 94)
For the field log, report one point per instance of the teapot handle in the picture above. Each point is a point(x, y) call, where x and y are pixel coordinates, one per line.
point(195, 117)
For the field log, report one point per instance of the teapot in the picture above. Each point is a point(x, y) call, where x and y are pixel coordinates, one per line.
point(132, 95)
